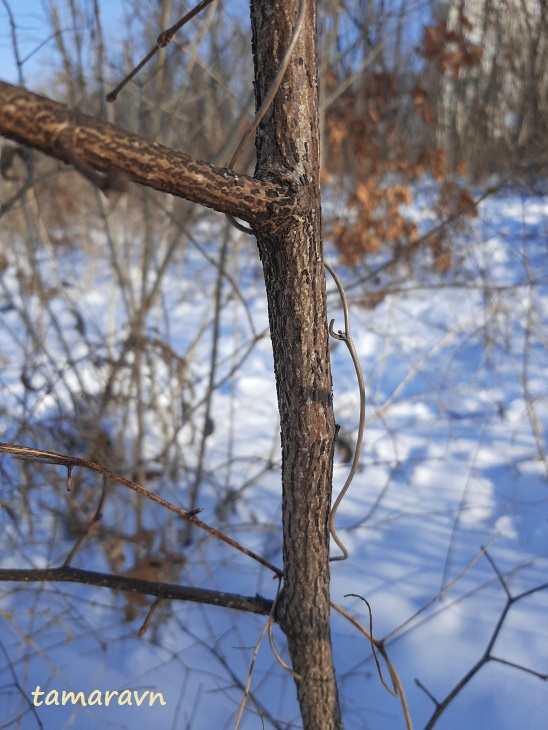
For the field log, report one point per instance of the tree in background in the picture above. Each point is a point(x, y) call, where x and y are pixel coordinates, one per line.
point(492, 104)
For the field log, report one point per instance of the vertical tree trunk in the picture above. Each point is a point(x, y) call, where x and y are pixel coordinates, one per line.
point(291, 253)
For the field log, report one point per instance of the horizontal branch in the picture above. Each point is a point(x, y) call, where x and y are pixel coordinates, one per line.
point(70, 462)
point(166, 591)
point(84, 141)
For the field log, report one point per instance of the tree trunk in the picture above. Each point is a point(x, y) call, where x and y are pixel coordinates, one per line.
point(291, 252)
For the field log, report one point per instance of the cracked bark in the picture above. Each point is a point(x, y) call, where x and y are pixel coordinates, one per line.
point(82, 140)
point(288, 151)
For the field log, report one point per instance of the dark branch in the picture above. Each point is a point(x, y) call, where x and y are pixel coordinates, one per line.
point(71, 136)
point(487, 655)
point(164, 39)
point(165, 591)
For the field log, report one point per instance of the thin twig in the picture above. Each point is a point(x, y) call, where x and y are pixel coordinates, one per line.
point(227, 666)
point(373, 649)
point(51, 457)
point(486, 656)
point(14, 43)
point(15, 681)
point(148, 620)
point(163, 40)
point(213, 365)
point(275, 651)
point(254, 658)
point(398, 687)
point(346, 337)
point(95, 519)
point(444, 590)
point(349, 80)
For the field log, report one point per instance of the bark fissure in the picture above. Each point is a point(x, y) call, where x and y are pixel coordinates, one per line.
point(80, 139)
point(288, 151)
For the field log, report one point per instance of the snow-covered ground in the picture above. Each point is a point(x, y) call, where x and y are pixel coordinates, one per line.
point(454, 460)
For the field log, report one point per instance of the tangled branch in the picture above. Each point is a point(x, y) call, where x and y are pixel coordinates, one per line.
point(51, 457)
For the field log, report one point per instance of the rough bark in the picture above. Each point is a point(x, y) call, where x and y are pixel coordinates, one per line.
point(88, 143)
point(288, 152)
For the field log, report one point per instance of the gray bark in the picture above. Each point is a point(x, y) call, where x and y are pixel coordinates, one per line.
point(291, 252)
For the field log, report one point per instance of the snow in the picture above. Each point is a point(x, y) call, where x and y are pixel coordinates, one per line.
point(454, 460)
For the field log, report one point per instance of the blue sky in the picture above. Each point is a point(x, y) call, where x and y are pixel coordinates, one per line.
point(36, 44)
point(34, 38)
point(30, 23)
